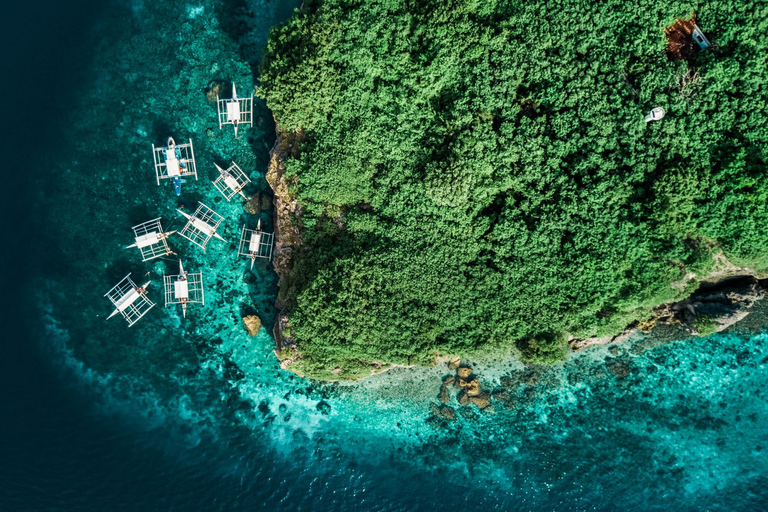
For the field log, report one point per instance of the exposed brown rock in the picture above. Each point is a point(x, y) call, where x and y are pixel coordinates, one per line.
point(454, 363)
point(462, 398)
point(252, 324)
point(283, 332)
point(579, 344)
point(473, 387)
point(286, 207)
point(729, 293)
point(464, 372)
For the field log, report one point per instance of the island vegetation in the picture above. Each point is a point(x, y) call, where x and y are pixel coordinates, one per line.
point(478, 175)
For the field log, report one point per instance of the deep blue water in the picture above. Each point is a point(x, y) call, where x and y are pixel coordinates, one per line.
point(194, 415)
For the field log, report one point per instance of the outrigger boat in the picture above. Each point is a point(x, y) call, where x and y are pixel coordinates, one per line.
point(231, 181)
point(171, 154)
point(184, 288)
point(254, 243)
point(235, 110)
point(129, 300)
point(174, 162)
point(201, 226)
point(151, 241)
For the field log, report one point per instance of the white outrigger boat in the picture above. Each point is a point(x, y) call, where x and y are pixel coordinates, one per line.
point(174, 162)
point(184, 288)
point(201, 226)
point(254, 243)
point(129, 300)
point(235, 111)
point(231, 181)
point(150, 239)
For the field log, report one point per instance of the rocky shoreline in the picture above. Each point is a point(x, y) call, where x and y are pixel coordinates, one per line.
point(287, 237)
point(713, 307)
point(723, 298)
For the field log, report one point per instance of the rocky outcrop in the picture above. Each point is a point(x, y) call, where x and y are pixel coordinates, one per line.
point(714, 307)
point(214, 89)
point(252, 324)
point(481, 400)
point(579, 344)
point(286, 207)
point(470, 391)
point(283, 332)
point(286, 219)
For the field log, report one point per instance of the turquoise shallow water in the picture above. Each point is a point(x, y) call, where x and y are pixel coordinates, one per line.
point(193, 414)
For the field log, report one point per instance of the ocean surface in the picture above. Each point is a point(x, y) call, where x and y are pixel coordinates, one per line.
point(192, 414)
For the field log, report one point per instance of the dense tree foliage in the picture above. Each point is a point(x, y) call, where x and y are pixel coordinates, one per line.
point(479, 173)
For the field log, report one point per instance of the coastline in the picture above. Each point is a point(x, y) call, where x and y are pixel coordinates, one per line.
point(691, 299)
point(287, 237)
point(722, 298)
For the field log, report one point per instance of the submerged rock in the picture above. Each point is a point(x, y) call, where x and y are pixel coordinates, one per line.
point(446, 412)
point(617, 367)
point(508, 382)
point(213, 90)
point(266, 202)
point(252, 324)
point(252, 206)
point(462, 398)
point(482, 400)
point(444, 396)
point(504, 398)
point(529, 377)
point(324, 407)
point(469, 413)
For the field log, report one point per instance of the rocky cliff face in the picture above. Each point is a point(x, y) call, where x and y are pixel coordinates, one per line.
point(286, 212)
point(714, 307)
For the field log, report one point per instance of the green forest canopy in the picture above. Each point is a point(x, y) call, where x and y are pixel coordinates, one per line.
point(479, 173)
